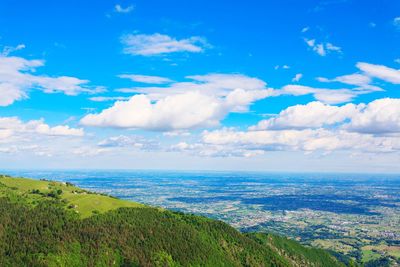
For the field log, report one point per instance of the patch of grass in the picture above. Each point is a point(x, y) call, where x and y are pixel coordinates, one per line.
point(382, 249)
point(369, 255)
point(86, 203)
point(333, 244)
point(23, 184)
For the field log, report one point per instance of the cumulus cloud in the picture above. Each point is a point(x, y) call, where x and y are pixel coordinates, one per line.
point(13, 126)
point(312, 115)
point(202, 102)
point(61, 130)
point(17, 77)
point(37, 138)
point(378, 117)
point(146, 78)
point(364, 128)
point(158, 44)
point(181, 111)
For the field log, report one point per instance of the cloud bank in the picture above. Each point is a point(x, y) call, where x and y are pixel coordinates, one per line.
point(202, 102)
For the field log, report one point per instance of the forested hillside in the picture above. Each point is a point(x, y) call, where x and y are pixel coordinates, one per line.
point(44, 223)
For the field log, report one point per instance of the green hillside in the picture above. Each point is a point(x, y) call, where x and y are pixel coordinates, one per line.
point(45, 223)
point(81, 201)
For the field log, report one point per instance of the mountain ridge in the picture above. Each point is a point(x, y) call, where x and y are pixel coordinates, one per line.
point(48, 223)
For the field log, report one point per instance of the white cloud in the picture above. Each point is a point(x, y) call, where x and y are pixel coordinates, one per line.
point(354, 79)
point(34, 136)
point(17, 78)
point(210, 84)
point(322, 49)
point(305, 29)
point(37, 138)
point(362, 81)
point(286, 67)
point(329, 96)
point(331, 47)
point(34, 149)
point(380, 71)
point(179, 133)
point(182, 111)
point(146, 78)
point(10, 93)
point(310, 42)
point(373, 128)
point(108, 98)
point(312, 115)
point(364, 128)
point(307, 140)
point(123, 141)
point(61, 130)
point(119, 9)
point(157, 44)
point(266, 140)
point(203, 102)
point(297, 77)
point(396, 22)
point(88, 151)
point(9, 49)
point(378, 117)
point(212, 150)
point(13, 126)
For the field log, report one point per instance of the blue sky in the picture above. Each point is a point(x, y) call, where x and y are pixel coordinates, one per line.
point(256, 85)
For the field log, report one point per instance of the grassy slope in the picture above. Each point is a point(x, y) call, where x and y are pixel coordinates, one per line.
point(84, 202)
point(127, 233)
